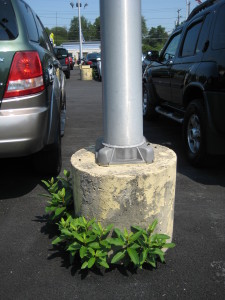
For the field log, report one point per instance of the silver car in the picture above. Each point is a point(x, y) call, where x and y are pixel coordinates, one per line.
point(32, 89)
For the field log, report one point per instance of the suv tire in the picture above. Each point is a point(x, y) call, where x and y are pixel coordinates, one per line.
point(148, 105)
point(194, 133)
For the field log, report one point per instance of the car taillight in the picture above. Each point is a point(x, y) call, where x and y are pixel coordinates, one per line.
point(89, 62)
point(66, 60)
point(25, 76)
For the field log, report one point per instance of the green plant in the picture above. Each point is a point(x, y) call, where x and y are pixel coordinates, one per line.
point(86, 237)
point(60, 197)
point(89, 239)
point(140, 247)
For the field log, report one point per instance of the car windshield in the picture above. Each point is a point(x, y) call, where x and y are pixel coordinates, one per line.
point(8, 24)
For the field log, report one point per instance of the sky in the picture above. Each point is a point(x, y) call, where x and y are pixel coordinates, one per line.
point(156, 12)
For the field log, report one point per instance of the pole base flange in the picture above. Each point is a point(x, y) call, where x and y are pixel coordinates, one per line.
point(112, 155)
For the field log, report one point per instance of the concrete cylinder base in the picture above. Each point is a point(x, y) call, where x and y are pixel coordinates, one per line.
point(85, 73)
point(126, 195)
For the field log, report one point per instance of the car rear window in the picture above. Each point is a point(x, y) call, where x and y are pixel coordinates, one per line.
point(61, 51)
point(8, 24)
point(93, 55)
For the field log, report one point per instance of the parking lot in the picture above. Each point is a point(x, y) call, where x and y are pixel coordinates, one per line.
point(32, 269)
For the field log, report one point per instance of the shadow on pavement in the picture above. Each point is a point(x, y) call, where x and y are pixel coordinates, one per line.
point(17, 177)
point(169, 134)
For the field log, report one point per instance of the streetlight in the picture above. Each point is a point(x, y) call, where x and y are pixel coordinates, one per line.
point(78, 4)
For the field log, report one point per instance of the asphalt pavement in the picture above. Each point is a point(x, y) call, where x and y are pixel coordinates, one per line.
point(30, 268)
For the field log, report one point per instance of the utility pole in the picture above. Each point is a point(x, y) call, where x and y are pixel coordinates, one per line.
point(178, 17)
point(188, 8)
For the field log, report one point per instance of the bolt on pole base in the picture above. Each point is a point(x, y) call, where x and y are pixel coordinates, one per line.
point(111, 155)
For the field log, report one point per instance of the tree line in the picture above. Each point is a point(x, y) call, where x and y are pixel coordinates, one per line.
point(152, 39)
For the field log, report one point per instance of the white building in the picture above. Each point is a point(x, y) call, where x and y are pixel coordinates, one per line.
point(88, 47)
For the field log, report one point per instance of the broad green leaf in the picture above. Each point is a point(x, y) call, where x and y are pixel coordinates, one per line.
point(74, 246)
point(58, 240)
point(105, 244)
point(91, 238)
point(135, 236)
point(162, 237)
point(169, 245)
point(56, 196)
point(84, 221)
point(59, 211)
point(66, 173)
point(77, 236)
point(83, 251)
point(143, 256)
point(84, 265)
point(119, 233)
point(153, 226)
point(119, 256)
point(160, 253)
point(90, 223)
point(103, 263)
point(49, 209)
point(135, 246)
point(116, 241)
point(91, 262)
point(138, 228)
point(100, 253)
point(133, 255)
point(126, 233)
point(62, 192)
point(94, 245)
point(66, 232)
point(100, 226)
point(92, 251)
point(46, 183)
point(108, 228)
point(151, 261)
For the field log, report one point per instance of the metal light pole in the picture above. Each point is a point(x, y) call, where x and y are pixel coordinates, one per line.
point(78, 4)
point(123, 140)
point(80, 29)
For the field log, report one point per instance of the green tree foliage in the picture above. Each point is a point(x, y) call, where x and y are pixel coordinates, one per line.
point(152, 39)
point(96, 30)
point(73, 33)
point(155, 39)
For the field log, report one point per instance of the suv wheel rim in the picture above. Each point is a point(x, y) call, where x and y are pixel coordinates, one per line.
point(194, 134)
point(144, 102)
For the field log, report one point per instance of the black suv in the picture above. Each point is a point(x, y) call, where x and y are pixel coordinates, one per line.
point(187, 82)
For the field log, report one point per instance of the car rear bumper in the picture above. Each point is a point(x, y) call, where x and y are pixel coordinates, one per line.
point(22, 131)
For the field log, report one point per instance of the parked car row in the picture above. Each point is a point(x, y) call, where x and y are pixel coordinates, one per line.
point(187, 82)
point(32, 89)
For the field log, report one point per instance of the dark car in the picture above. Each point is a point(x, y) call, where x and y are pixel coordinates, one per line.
point(63, 57)
point(187, 82)
point(32, 89)
point(92, 58)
